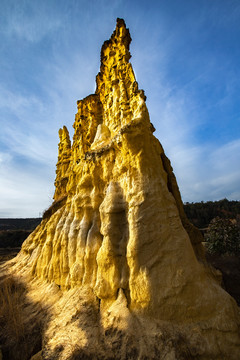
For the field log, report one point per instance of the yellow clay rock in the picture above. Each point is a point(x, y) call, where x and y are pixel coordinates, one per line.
point(117, 225)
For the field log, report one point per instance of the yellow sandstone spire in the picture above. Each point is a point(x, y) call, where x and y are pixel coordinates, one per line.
point(117, 234)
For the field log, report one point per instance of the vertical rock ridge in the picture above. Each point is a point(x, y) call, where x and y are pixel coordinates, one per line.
point(64, 157)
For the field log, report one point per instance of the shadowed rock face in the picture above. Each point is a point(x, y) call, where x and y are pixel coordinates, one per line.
point(117, 226)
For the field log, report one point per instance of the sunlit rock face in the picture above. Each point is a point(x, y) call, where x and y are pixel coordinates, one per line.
point(117, 225)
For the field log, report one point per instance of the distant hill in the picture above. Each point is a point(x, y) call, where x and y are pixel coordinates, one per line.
point(14, 231)
point(201, 213)
point(19, 224)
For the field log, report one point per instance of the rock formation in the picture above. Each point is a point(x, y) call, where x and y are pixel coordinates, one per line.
point(128, 267)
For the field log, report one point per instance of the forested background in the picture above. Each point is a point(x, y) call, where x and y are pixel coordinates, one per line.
point(201, 213)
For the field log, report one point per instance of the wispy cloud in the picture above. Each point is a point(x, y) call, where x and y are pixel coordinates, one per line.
point(24, 193)
point(24, 126)
point(191, 82)
point(205, 170)
point(26, 21)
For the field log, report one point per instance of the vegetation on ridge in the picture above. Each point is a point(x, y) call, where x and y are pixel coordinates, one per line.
point(201, 213)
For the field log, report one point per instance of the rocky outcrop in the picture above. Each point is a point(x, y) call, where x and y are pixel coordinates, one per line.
point(64, 155)
point(129, 266)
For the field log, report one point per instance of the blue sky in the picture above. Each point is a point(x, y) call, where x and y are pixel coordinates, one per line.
point(185, 54)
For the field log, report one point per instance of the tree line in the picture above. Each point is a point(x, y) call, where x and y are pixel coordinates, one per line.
point(202, 213)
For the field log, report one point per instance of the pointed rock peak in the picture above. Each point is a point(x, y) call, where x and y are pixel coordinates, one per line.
point(122, 32)
point(120, 23)
point(117, 87)
point(64, 155)
point(64, 134)
point(120, 40)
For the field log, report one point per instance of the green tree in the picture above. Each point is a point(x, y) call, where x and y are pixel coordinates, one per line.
point(223, 237)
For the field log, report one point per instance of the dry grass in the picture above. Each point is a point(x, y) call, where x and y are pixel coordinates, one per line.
point(20, 331)
point(10, 309)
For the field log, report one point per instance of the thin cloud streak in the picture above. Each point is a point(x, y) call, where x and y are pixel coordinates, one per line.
point(29, 22)
point(20, 191)
point(204, 171)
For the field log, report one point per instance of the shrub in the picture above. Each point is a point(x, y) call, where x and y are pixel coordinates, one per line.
point(223, 237)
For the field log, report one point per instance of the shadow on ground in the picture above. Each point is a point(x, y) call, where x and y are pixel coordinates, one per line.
point(230, 269)
point(21, 321)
